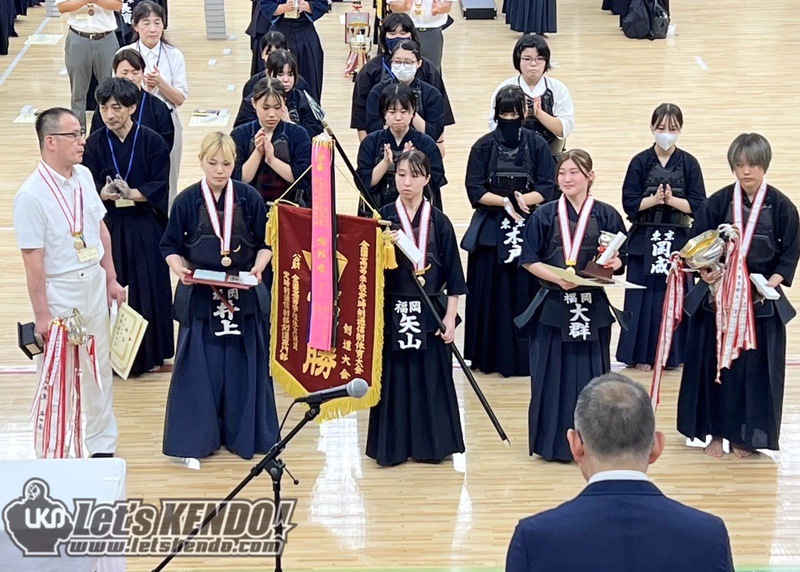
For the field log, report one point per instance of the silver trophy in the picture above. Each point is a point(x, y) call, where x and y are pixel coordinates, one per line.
point(705, 250)
point(75, 326)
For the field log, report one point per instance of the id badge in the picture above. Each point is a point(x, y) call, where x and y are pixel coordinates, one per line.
point(89, 253)
point(124, 203)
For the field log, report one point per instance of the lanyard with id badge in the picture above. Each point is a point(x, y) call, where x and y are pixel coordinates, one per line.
point(74, 217)
point(124, 202)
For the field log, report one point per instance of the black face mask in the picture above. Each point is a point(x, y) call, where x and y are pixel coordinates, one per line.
point(391, 43)
point(508, 131)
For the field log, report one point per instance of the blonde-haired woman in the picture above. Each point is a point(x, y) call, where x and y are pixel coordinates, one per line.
point(570, 326)
point(221, 391)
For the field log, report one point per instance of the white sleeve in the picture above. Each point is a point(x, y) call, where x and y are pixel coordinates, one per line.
point(492, 122)
point(91, 198)
point(564, 110)
point(179, 80)
point(30, 222)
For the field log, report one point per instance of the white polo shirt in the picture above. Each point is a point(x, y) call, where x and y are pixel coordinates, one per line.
point(171, 65)
point(39, 221)
point(563, 109)
point(426, 19)
point(102, 20)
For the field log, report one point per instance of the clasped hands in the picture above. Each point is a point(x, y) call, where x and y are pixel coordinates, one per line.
point(509, 207)
point(116, 189)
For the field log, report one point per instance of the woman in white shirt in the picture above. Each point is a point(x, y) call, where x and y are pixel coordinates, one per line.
point(165, 74)
point(549, 105)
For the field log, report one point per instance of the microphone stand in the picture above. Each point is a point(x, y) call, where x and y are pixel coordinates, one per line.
point(276, 468)
point(367, 198)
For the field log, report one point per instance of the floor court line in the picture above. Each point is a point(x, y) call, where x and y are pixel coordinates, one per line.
point(22, 52)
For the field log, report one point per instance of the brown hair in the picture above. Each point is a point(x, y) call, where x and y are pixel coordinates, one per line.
point(668, 112)
point(582, 160)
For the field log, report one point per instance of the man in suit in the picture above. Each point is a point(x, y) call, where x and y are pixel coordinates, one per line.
point(621, 521)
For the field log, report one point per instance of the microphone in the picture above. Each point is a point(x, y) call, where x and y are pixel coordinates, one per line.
point(356, 388)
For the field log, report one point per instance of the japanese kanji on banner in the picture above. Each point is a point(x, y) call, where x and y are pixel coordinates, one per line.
point(362, 255)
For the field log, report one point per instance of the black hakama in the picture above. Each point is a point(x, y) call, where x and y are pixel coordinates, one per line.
point(292, 145)
point(301, 35)
point(639, 343)
point(377, 70)
point(746, 407)
point(531, 16)
point(221, 393)
point(417, 416)
point(430, 106)
point(136, 232)
point(151, 112)
point(499, 290)
point(562, 360)
point(370, 153)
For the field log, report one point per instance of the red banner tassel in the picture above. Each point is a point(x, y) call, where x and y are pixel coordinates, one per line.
point(672, 315)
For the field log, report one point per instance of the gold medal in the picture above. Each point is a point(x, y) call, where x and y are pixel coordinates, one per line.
point(421, 280)
point(78, 242)
point(571, 266)
point(226, 261)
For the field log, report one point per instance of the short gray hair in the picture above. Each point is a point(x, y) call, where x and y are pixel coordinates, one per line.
point(614, 417)
point(752, 148)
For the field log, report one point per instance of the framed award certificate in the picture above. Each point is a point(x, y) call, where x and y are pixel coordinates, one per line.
point(127, 332)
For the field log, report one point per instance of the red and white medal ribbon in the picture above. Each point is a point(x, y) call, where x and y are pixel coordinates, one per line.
point(74, 216)
point(213, 215)
point(572, 243)
point(671, 319)
point(424, 225)
point(736, 324)
point(57, 408)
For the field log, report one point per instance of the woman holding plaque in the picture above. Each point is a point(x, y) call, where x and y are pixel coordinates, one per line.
point(272, 153)
point(417, 416)
point(377, 153)
point(221, 391)
point(569, 325)
point(741, 397)
point(509, 173)
point(130, 166)
point(662, 189)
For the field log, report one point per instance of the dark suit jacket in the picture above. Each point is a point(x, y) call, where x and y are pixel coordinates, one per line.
point(620, 526)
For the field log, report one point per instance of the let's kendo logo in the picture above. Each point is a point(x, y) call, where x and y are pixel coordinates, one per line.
point(40, 525)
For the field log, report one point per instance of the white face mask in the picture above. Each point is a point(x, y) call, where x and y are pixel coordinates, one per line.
point(666, 140)
point(404, 72)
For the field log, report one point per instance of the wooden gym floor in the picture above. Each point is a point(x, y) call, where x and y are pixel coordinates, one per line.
point(732, 67)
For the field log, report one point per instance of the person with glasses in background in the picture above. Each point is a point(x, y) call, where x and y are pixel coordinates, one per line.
point(550, 113)
point(394, 29)
point(429, 118)
point(89, 47)
point(430, 17)
point(150, 110)
point(66, 250)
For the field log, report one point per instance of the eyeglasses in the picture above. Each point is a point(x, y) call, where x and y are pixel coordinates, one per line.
point(530, 60)
point(72, 134)
point(406, 63)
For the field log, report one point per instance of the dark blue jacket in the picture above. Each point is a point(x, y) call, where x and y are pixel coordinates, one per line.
point(620, 526)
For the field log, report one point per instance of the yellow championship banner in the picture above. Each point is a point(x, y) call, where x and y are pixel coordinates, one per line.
point(362, 253)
